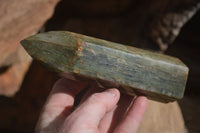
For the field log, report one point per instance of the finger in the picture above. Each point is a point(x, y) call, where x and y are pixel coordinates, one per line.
point(87, 116)
point(59, 103)
point(133, 117)
point(93, 89)
point(113, 118)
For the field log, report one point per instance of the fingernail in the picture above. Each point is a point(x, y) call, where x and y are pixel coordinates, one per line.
point(112, 92)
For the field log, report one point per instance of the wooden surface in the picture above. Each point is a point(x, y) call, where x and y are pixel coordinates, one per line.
point(136, 71)
point(165, 118)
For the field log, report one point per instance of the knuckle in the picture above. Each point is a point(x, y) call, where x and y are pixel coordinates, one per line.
point(121, 130)
point(100, 101)
point(96, 98)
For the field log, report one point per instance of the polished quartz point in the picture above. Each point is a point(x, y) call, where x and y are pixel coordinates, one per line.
point(135, 71)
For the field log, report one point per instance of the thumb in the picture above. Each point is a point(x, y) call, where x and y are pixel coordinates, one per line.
point(87, 116)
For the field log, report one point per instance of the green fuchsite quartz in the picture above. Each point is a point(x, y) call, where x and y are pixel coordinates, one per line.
point(136, 71)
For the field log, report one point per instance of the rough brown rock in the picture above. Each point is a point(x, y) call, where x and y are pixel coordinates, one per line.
point(19, 20)
point(11, 77)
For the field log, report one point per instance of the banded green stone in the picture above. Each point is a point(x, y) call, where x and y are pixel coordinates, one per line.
point(136, 71)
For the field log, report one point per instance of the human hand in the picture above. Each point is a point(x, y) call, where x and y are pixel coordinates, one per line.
point(101, 112)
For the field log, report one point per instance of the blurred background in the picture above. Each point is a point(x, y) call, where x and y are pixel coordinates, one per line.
point(170, 27)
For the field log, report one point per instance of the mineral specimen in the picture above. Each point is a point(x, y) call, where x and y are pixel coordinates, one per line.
point(135, 71)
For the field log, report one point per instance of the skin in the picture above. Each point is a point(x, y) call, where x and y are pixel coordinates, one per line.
point(100, 110)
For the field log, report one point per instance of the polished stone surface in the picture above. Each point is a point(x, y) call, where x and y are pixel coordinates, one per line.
point(135, 71)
